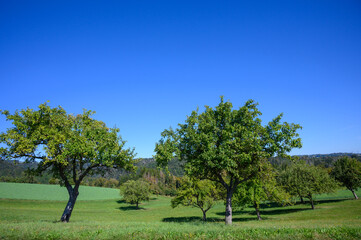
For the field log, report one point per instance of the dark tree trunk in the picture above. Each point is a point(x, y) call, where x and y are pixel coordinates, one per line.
point(73, 194)
point(229, 207)
point(354, 194)
point(302, 201)
point(311, 201)
point(257, 211)
point(137, 205)
point(204, 215)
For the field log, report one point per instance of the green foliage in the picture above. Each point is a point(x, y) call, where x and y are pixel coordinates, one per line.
point(323, 160)
point(201, 194)
point(160, 183)
point(103, 182)
point(303, 180)
point(70, 147)
point(135, 192)
point(263, 188)
point(226, 145)
point(348, 172)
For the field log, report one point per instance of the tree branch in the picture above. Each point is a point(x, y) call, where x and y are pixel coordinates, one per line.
point(86, 172)
point(65, 179)
point(74, 170)
point(29, 156)
point(221, 181)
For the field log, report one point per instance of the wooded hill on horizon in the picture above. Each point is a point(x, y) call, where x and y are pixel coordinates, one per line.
point(15, 171)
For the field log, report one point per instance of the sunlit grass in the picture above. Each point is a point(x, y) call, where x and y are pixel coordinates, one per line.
point(53, 192)
point(115, 219)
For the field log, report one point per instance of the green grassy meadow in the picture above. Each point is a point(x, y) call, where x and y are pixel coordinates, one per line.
point(30, 191)
point(336, 216)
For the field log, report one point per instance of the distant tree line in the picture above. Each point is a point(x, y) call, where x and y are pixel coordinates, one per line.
point(324, 160)
point(161, 182)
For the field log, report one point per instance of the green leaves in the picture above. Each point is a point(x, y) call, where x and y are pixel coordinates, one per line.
point(301, 179)
point(227, 145)
point(227, 142)
point(347, 171)
point(136, 191)
point(196, 193)
point(70, 146)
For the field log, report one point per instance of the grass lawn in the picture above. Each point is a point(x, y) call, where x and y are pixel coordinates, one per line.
point(113, 219)
point(53, 192)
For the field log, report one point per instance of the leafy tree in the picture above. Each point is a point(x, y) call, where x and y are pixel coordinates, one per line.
point(301, 179)
point(263, 187)
point(70, 147)
point(226, 145)
point(135, 192)
point(348, 171)
point(201, 194)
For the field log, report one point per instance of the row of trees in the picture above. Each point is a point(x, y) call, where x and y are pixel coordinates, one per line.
point(229, 148)
point(297, 179)
point(232, 149)
point(283, 185)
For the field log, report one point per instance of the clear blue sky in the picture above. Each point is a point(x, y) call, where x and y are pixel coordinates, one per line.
point(145, 65)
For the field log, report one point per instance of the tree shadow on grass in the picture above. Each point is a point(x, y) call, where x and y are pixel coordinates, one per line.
point(199, 219)
point(321, 201)
point(270, 205)
point(283, 211)
point(235, 212)
point(331, 200)
point(266, 212)
point(128, 207)
point(189, 219)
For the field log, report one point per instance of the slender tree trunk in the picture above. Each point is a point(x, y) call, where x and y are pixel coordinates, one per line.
point(73, 194)
point(229, 207)
point(204, 215)
point(302, 201)
point(257, 210)
point(354, 194)
point(137, 205)
point(311, 201)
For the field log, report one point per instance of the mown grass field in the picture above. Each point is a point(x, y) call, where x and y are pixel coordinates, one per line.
point(335, 217)
point(53, 192)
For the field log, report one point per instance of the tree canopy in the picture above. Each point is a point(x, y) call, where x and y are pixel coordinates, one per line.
point(263, 187)
point(68, 146)
point(347, 171)
point(226, 145)
point(201, 194)
point(135, 192)
point(303, 180)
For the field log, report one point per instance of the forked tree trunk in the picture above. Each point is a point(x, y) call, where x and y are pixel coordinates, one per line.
point(73, 194)
point(229, 207)
point(257, 211)
point(354, 194)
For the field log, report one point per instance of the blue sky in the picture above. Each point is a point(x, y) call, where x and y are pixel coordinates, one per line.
point(143, 66)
